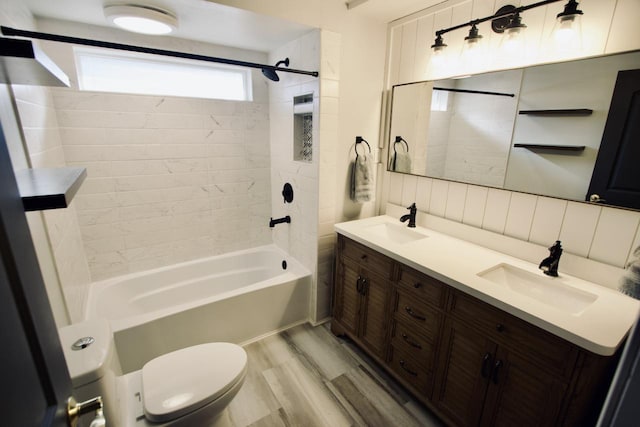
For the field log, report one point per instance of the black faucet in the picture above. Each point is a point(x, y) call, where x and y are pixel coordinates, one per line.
point(411, 216)
point(549, 265)
point(274, 222)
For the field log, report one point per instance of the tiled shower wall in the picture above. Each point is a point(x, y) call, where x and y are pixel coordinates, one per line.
point(309, 237)
point(169, 179)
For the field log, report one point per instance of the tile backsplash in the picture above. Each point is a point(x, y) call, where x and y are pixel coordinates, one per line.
point(599, 233)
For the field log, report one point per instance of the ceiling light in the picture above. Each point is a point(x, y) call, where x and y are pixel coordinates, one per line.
point(141, 19)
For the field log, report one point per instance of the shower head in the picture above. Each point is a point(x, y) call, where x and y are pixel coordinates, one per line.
point(271, 74)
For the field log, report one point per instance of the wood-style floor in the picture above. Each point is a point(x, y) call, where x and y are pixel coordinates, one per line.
point(306, 376)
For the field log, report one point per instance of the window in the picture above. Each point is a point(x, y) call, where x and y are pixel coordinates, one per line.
point(107, 71)
point(439, 100)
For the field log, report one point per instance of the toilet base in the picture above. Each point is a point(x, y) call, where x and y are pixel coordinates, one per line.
point(129, 387)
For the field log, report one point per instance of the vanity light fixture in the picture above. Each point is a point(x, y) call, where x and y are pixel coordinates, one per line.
point(141, 19)
point(508, 20)
point(568, 27)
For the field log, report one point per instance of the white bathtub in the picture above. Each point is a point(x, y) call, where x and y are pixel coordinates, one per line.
point(236, 297)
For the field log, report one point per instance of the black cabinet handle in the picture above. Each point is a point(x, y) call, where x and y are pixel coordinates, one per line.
point(410, 342)
point(417, 285)
point(414, 315)
point(496, 371)
point(365, 286)
point(359, 285)
point(499, 327)
point(402, 363)
point(486, 361)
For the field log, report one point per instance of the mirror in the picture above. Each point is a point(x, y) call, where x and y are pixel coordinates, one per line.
point(535, 129)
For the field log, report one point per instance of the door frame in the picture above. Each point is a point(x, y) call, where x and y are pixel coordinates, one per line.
point(23, 277)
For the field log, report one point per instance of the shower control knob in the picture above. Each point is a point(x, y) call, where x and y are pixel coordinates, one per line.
point(595, 198)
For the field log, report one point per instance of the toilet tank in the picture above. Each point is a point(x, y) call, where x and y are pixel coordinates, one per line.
point(94, 368)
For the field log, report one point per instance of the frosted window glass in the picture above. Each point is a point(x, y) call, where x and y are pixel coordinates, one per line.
point(152, 75)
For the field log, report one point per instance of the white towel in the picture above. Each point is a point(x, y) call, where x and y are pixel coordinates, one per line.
point(362, 186)
point(400, 162)
point(630, 282)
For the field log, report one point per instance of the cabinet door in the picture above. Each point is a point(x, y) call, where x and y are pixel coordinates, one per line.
point(375, 320)
point(466, 359)
point(347, 301)
point(521, 393)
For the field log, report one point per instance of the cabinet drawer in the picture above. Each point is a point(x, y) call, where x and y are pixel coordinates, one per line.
point(411, 371)
point(417, 315)
point(421, 286)
point(367, 258)
point(409, 341)
point(550, 351)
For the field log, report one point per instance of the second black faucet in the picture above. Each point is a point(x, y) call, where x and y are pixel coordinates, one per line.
point(411, 216)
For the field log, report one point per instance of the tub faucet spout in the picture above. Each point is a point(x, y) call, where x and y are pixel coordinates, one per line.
point(549, 265)
point(411, 216)
point(274, 222)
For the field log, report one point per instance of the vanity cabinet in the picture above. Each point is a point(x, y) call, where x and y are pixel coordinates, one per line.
point(496, 370)
point(470, 362)
point(361, 301)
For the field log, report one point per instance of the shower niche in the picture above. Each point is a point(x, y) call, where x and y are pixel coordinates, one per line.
point(303, 128)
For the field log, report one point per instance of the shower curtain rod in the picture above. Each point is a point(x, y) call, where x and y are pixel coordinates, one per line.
point(88, 42)
point(479, 92)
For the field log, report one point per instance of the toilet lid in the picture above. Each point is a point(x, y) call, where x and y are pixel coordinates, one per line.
point(180, 382)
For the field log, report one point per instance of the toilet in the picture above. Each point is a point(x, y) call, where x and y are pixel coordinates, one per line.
point(189, 387)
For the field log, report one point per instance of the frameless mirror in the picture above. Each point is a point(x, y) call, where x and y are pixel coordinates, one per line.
point(536, 129)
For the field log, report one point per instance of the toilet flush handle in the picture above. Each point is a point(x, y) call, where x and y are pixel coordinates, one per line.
point(75, 409)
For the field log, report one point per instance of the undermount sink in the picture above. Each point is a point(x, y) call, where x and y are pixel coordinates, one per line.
point(547, 290)
point(395, 233)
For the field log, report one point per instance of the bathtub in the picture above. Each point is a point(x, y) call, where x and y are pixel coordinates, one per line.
point(236, 297)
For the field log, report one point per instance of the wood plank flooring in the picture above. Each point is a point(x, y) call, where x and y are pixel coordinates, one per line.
point(306, 376)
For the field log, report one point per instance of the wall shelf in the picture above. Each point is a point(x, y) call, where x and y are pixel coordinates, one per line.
point(22, 62)
point(550, 147)
point(558, 113)
point(43, 189)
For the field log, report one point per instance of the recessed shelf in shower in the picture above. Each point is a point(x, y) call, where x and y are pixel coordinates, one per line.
point(303, 127)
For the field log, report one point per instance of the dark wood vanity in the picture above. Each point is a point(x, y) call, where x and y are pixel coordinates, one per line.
point(471, 363)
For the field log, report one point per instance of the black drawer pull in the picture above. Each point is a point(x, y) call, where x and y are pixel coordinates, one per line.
point(486, 361)
point(496, 371)
point(359, 285)
point(410, 342)
point(402, 363)
point(363, 257)
point(414, 315)
point(417, 285)
point(499, 327)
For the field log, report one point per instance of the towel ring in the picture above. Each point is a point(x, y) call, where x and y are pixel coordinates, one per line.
point(398, 140)
point(359, 140)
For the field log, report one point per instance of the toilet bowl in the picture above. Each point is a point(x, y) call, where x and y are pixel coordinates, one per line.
point(188, 387)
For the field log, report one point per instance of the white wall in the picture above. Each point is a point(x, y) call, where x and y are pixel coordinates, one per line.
point(599, 233)
point(31, 129)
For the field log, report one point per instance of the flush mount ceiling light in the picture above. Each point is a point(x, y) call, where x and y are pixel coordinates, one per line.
point(141, 19)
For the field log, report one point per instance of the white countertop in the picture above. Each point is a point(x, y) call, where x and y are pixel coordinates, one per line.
point(599, 328)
